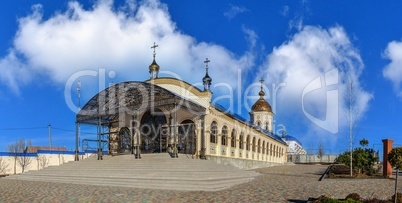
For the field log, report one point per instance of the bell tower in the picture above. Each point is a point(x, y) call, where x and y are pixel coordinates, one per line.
point(261, 112)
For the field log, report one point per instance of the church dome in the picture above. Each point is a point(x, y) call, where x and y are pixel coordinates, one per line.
point(154, 66)
point(261, 105)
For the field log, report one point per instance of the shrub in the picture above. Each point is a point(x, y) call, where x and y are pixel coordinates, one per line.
point(353, 196)
point(398, 199)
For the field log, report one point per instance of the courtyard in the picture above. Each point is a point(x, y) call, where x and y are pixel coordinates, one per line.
point(289, 183)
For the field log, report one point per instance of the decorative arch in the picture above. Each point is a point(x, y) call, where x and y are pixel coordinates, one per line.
point(214, 132)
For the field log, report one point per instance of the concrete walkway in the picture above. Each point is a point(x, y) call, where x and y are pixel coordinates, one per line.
point(276, 184)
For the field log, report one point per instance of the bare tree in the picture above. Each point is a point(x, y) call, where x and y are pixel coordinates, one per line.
point(352, 114)
point(3, 166)
point(18, 150)
point(44, 161)
point(321, 150)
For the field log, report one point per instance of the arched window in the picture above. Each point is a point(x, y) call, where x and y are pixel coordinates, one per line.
point(214, 132)
point(267, 148)
point(258, 124)
point(270, 150)
point(248, 143)
point(259, 146)
point(241, 141)
point(224, 135)
point(263, 147)
point(233, 140)
point(254, 144)
point(266, 126)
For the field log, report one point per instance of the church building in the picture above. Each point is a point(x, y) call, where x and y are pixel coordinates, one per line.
point(168, 115)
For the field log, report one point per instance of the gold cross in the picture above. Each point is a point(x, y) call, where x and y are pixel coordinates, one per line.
point(154, 47)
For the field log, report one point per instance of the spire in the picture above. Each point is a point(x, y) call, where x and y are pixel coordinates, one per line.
point(154, 67)
point(206, 80)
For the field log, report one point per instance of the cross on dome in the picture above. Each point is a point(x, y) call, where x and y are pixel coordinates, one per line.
point(154, 47)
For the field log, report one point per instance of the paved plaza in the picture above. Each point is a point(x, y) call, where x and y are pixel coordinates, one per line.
point(275, 184)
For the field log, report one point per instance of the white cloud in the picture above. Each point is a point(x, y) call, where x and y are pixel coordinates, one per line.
point(112, 38)
point(393, 71)
point(310, 54)
point(234, 11)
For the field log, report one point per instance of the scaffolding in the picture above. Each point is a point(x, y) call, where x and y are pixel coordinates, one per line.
point(131, 98)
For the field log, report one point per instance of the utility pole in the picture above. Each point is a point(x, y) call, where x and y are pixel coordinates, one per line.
point(50, 135)
point(77, 125)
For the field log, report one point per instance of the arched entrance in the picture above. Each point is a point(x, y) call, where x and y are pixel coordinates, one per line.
point(152, 124)
point(187, 137)
point(124, 141)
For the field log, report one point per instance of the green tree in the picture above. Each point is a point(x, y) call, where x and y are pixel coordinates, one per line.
point(364, 142)
point(395, 159)
point(363, 158)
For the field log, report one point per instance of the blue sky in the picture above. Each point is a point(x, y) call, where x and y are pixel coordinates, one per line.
point(303, 45)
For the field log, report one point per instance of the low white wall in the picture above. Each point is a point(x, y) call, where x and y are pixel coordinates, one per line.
point(244, 164)
point(37, 161)
point(312, 158)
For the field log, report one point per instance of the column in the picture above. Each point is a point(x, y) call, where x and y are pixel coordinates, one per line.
point(387, 168)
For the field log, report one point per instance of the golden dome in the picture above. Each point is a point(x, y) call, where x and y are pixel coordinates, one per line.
point(154, 66)
point(261, 105)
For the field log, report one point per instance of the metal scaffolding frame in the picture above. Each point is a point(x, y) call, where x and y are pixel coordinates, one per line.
point(132, 98)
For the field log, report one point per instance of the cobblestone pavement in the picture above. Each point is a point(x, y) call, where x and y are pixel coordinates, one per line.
point(276, 184)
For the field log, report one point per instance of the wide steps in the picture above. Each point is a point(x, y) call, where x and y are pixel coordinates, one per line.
point(153, 171)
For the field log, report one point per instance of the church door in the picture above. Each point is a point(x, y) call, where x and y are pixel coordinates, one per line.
point(187, 137)
point(152, 124)
point(124, 141)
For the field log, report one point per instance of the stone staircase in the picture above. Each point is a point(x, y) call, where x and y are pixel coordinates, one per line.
point(153, 171)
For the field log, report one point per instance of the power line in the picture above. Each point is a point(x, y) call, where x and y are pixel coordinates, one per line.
point(30, 128)
point(35, 128)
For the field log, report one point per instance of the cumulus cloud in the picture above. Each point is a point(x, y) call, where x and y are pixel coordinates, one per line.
point(234, 11)
point(112, 38)
point(393, 71)
point(315, 65)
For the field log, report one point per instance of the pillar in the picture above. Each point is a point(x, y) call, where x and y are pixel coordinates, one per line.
point(386, 166)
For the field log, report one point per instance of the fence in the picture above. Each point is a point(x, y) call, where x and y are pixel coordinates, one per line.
point(312, 158)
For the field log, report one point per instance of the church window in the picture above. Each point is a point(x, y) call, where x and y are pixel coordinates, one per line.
point(254, 144)
point(259, 146)
point(224, 135)
point(263, 147)
point(233, 140)
point(266, 126)
point(258, 124)
point(241, 141)
point(214, 132)
point(248, 142)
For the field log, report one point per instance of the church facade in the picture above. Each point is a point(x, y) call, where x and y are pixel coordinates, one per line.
point(168, 115)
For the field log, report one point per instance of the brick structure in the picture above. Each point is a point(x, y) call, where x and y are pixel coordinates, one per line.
point(387, 168)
